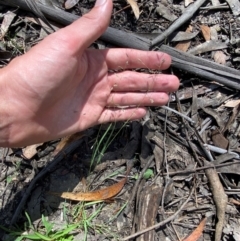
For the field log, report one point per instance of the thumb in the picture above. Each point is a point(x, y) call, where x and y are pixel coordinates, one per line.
point(90, 26)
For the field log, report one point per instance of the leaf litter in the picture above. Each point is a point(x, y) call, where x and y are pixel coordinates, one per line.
point(194, 165)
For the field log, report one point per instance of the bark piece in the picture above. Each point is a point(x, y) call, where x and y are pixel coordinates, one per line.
point(148, 205)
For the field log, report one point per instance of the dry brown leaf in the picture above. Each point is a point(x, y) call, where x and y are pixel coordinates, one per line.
point(187, 2)
point(6, 23)
point(134, 7)
point(30, 151)
point(70, 3)
point(232, 103)
point(196, 234)
point(206, 32)
point(220, 57)
point(232, 200)
point(67, 141)
point(103, 194)
point(184, 45)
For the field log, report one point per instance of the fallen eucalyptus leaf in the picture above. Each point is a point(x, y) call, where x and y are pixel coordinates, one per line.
point(103, 194)
point(70, 3)
point(134, 7)
point(197, 233)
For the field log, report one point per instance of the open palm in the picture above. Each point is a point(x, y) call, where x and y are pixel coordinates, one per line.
point(60, 87)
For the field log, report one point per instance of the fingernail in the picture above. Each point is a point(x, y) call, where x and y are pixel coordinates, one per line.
point(100, 2)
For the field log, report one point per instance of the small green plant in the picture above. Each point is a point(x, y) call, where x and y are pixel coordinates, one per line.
point(148, 174)
point(86, 219)
point(46, 234)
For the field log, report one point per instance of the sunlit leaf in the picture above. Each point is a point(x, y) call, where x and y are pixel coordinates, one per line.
point(103, 194)
point(134, 7)
point(206, 32)
point(70, 3)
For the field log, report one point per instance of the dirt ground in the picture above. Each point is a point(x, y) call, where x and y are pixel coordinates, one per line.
point(181, 161)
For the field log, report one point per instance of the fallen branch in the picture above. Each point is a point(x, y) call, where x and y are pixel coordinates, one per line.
point(203, 68)
point(187, 15)
point(219, 197)
point(200, 67)
point(116, 37)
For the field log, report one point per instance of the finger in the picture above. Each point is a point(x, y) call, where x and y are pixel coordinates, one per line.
point(112, 115)
point(133, 81)
point(118, 59)
point(90, 26)
point(137, 99)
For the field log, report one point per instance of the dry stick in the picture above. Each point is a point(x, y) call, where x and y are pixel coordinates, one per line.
point(199, 169)
point(178, 113)
point(167, 178)
point(219, 196)
point(187, 15)
point(198, 66)
point(41, 174)
point(158, 225)
point(203, 68)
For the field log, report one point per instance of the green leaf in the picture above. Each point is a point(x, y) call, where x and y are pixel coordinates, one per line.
point(31, 236)
point(19, 239)
point(48, 226)
point(29, 221)
point(64, 232)
point(9, 179)
point(43, 237)
point(148, 174)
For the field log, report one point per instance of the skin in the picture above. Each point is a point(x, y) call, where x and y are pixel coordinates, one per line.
point(61, 87)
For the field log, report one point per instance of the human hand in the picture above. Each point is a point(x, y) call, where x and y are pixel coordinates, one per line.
point(60, 87)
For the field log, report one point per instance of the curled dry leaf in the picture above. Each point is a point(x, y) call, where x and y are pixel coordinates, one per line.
point(103, 194)
point(187, 2)
point(196, 234)
point(134, 7)
point(70, 3)
point(220, 57)
point(67, 140)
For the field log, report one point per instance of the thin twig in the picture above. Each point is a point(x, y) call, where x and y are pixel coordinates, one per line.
point(198, 169)
point(165, 159)
point(178, 113)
